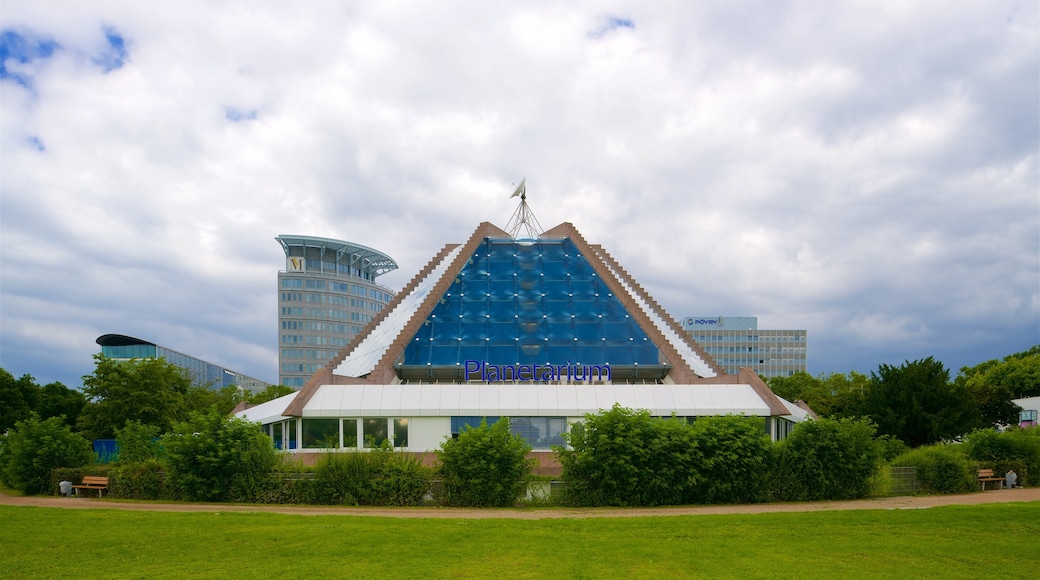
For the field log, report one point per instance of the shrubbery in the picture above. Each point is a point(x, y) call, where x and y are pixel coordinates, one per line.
point(379, 477)
point(828, 459)
point(485, 466)
point(1017, 449)
point(628, 458)
point(622, 457)
point(734, 455)
point(138, 442)
point(940, 468)
point(213, 457)
point(34, 447)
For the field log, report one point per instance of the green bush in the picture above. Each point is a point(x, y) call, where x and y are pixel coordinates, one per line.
point(1017, 449)
point(628, 458)
point(485, 466)
point(829, 459)
point(138, 442)
point(623, 457)
point(402, 480)
point(734, 456)
point(141, 480)
point(940, 468)
point(342, 478)
point(34, 447)
point(214, 457)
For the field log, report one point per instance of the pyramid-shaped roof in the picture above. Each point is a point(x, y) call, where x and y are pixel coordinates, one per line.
point(553, 301)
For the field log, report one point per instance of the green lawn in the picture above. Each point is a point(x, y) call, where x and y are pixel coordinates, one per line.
point(996, 540)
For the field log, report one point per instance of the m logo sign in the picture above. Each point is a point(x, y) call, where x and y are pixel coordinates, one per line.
point(296, 264)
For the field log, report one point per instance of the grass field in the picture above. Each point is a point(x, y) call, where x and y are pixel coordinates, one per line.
point(996, 540)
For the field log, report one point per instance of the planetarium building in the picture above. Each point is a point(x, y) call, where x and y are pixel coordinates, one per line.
point(542, 330)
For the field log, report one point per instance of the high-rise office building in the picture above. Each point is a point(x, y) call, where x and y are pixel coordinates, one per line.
point(736, 341)
point(326, 295)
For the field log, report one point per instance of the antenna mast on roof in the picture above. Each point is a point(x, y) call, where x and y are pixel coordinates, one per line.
point(523, 217)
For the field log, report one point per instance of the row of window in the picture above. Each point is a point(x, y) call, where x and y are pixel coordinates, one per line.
point(321, 326)
point(369, 432)
point(332, 433)
point(766, 350)
point(332, 286)
point(324, 313)
point(331, 299)
point(315, 340)
point(299, 368)
point(308, 353)
point(748, 338)
point(541, 433)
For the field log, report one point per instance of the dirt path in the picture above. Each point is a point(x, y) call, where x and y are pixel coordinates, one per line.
point(919, 502)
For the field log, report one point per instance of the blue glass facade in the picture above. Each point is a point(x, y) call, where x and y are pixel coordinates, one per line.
point(529, 303)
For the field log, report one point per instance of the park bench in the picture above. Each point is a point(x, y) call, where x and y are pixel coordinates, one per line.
point(986, 475)
point(92, 482)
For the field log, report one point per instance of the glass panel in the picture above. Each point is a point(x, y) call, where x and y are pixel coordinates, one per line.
point(276, 433)
point(292, 434)
point(375, 432)
point(320, 433)
point(350, 433)
point(400, 432)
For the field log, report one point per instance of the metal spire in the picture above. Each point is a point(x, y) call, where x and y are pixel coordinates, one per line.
point(523, 217)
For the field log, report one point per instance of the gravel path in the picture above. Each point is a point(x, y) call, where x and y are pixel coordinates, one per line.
point(916, 502)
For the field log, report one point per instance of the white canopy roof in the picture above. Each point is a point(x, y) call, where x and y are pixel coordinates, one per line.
point(517, 400)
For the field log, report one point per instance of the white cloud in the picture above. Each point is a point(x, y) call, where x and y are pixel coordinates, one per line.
point(865, 171)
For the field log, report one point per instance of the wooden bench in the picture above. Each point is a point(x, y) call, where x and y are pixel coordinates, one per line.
point(92, 482)
point(986, 475)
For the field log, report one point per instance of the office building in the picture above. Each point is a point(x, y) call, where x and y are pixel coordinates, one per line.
point(326, 295)
point(202, 373)
point(735, 342)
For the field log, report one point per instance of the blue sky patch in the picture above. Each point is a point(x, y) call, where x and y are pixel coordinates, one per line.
point(36, 143)
point(612, 23)
point(22, 48)
point(237, 115)
point(114, 56)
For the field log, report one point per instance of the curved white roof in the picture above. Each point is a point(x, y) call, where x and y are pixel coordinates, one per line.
point(516, 400)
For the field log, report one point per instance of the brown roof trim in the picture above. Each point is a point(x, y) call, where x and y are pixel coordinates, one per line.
point(750, 377)
point(384, 373)
point(805, 406)
point(324, 376)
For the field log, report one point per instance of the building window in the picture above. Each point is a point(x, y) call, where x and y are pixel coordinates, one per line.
point(292, 434)
point(350, 433)
point(540, 432)
point(375, 432)
point(400, 432)
point(320, 433)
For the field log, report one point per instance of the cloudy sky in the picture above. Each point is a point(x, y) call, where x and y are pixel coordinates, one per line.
point(867, 171)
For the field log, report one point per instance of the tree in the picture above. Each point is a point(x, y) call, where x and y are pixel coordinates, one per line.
point(214, 457)
point(138, 443)
point(57, 400)
point(225, 399)
point(485, 466)
point(271, 393)
point(34, 447)
point(17, 399)
point(917, 403)
point(834, 395)
point(151, 391)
